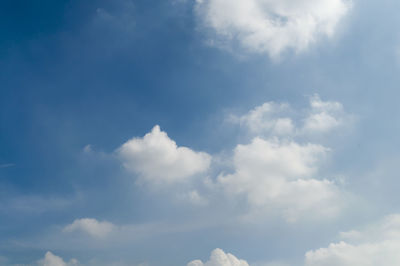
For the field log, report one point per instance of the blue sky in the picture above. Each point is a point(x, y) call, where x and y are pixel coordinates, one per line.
point(209, 132)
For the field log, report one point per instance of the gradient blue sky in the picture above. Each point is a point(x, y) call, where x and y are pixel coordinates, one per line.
point(79, 79)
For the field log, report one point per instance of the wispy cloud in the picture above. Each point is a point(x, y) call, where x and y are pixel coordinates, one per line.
point(6, 165)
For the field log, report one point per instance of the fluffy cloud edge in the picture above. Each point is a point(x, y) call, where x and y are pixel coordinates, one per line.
point(219, 258)
point(279, 175)
point(157, 159)
point(53, 260)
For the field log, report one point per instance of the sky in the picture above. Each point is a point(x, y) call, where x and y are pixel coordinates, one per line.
point(199, 133)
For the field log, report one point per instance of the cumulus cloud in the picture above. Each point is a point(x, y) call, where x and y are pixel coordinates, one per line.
point(274, 174)
point(220, 258)
point(272, 26)
point(278, 169)
point(376, 245)
point(52, 260)
point(91, 226)
point(157, 158)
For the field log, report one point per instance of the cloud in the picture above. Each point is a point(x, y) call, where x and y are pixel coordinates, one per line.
point(264, 119)
point(91, 226)
point(278, 175)
point(271, 26)
point(220, 258)
point(6, 165)
point(52, 260)
point(120, 19)
point(376, 245)
point(157, 158)
point(324, 116)
point(278, 170)
point(280, 120)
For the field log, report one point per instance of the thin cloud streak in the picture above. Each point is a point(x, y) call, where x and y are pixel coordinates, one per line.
point(7, 165)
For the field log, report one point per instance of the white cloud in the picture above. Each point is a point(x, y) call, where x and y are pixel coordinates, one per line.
point(265, 119)
point(278, 170)
point(220, 258)
point(376, 245)
point(90, 226)
point(280, 120)
point(272, 26)
point(274, 174)
point(52, 260)
point(323, 116)
point(277, 173)
point(157, 158)
point(320, 122)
